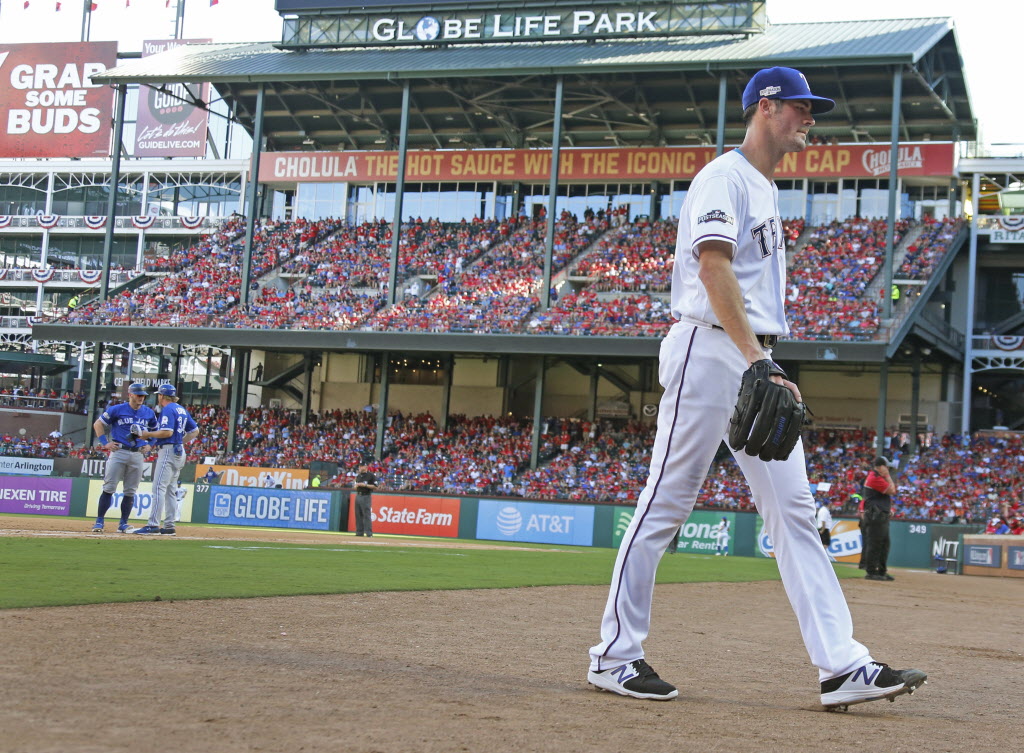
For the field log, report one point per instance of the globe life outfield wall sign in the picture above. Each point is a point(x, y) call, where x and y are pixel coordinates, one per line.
point(338, 23)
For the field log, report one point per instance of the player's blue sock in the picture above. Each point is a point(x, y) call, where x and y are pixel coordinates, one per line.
point(127, 503)
point(104, 505)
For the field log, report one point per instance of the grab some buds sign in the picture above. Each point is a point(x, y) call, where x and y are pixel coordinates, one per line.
point(49, 106)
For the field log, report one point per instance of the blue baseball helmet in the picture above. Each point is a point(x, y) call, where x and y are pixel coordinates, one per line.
point(167, 390)
point(138, 388)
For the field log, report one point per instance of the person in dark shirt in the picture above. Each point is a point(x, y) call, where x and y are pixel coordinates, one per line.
point(365, 483)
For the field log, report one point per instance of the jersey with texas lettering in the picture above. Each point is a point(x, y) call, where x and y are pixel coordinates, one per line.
point(731, 201)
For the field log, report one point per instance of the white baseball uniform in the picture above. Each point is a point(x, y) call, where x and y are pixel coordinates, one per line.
point(722, 537)
point(700, 369)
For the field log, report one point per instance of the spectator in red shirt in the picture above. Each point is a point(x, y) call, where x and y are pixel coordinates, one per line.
point(878, 491)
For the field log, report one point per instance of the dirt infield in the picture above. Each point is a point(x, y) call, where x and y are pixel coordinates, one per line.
point(495, 671)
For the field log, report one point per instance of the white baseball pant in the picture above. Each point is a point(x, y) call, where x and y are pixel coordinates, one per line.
point(700, 369)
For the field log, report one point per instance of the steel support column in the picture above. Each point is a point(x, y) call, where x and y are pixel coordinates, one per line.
point(915, 399)
point(972, 279)
point(720, 127)
point(448, 364)
point(883, 399)
point(115, 179)
point(538, 406)
point(307, 388)
point(382, 404)
point(93, 393)
point(252, 211)
point(890, 232)
point(556, 158)
point(396, 226)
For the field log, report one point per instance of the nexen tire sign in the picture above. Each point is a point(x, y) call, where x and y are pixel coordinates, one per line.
point(49, 106)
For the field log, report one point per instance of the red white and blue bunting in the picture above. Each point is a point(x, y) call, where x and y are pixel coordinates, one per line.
point(95, 221)
point(42, 275)
point(1008, 342)
point(90, 276)
point(47, 221)
point(3, 273)
point(191, 223)
point(1014, 224)
point(145, 222)
point(6, 220)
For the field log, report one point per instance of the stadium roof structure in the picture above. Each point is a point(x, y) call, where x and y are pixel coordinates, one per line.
point(660, 92)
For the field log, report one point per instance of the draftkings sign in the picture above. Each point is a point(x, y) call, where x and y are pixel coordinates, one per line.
point(49, 106)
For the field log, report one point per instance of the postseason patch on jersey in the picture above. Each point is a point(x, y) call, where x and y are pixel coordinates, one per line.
point(716, 215)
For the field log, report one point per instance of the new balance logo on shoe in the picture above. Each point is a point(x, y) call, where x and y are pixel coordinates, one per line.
point(862, 672)
point(635, 679)
point(623, 673)
point(871, 682)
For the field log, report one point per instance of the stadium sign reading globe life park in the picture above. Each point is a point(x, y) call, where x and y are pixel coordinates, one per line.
point(422, 23)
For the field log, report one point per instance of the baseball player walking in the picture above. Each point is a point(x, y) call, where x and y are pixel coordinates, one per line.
point(728, 288)
point(176, 428)
point(125, 451)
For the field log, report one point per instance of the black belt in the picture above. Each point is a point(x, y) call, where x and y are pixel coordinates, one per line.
point(131, 449)
point(765, 341)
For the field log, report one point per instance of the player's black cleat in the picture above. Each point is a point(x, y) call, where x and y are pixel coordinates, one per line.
point(872, 682)
point(635, 679)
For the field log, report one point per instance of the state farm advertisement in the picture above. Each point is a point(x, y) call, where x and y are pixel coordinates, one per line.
point(49, 106)
point(167, 124)
point(412, 516)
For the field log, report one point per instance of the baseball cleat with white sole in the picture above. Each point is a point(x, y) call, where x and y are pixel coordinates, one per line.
point(872, 682)
point(635, 679)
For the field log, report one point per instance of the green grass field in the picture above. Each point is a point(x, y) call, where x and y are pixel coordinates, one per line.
point(64, 571)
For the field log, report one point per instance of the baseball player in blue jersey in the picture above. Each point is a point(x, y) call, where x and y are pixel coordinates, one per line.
point(728, 295)
point(116, 430)
point(175, 429)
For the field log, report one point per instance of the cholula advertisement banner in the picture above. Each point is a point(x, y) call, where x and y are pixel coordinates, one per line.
point(49, 106)
point(168, 125)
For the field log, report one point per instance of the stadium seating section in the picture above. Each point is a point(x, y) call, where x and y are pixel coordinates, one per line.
point(610, 277)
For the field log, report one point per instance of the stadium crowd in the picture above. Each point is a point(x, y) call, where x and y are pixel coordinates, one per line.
point(483, 276)
point(928, 249)
point(829, 276)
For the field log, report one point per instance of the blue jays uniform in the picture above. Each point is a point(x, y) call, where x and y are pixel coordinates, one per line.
point(125, 464)
point(169, 461)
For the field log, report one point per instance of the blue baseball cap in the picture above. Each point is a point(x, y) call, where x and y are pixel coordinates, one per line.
point(784, 83)
point(167, 390)
point(138, 388)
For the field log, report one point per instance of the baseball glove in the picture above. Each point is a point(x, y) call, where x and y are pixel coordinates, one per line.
point(767, 419)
